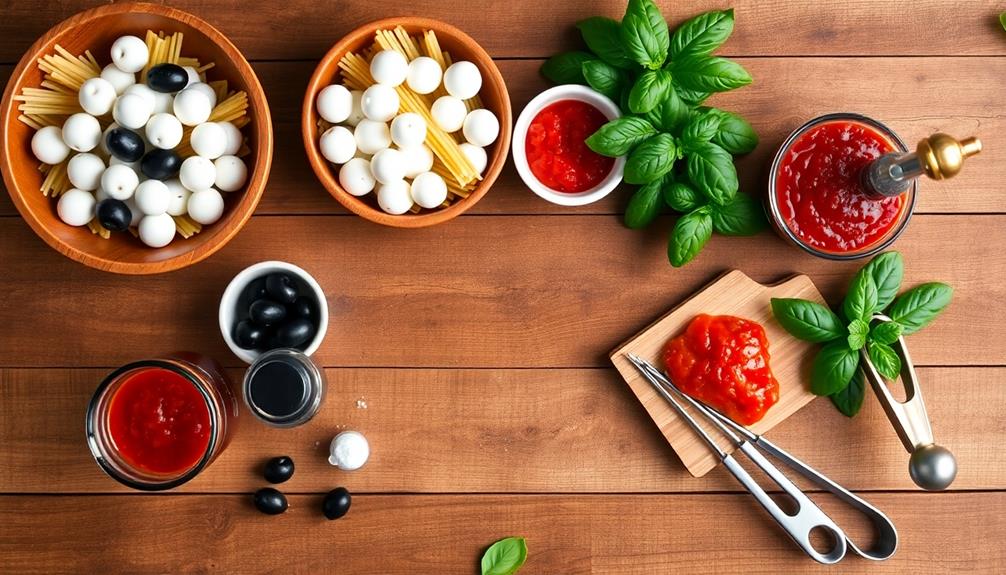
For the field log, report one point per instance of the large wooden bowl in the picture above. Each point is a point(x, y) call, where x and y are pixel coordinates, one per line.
point(95, 30)
point(461, 47)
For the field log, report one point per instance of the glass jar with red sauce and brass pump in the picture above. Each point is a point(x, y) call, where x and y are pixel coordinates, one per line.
point(155, 424)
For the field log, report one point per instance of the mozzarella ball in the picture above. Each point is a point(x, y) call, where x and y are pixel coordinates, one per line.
point(81, 132)
point(153, 197)
point(449, 113)
point(120, 80)
point(130, 54)
point(193, 75)
point(192, 106)
point(379, 103)
point(476, 155)
point(418, 159)
point(84, 171)
point(389, 67)
point(164, 131)
point(96, 96)
point(144, 91)
point(372, 137)
point(356, 177)
point(388, 165)
point(206, 89)
point(206, 206)
point(356, 113)
point(197, 173)
point(157, 231)
point(134, 211)
point(119, 181)
point(234, 138)
point(463, 80)
point(163, 103)
point(232, 173)
point(48, 146)
point(100, 195)
point(429, 190)
point(76, 207)
point(424, 75)
point(178, 197)
point(132, 111)
point(408, 129)
point(481, 127)
point(395, 197)
point(209, 140)
point(338, 145)
point(335, 103)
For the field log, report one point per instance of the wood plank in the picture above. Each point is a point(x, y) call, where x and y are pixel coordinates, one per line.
point(497, 431)
point(556, 291)
point(957, 95)
point(301, 29)
point(391, 535)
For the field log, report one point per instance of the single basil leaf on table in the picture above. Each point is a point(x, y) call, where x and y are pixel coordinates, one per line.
point(742, 215)
point(644, 206)
point(566, 67)
point(887, 271)
point(711, 169)
point(735, 134)
point(618, 136)
point(693, 97)
point(680, 197)
point(504, 557)
point(709, 74)
point(651, 160)
point(671, 113)
point(833, 368)
point(886, 332)
point(604, 78)
point(700, 129)
point(861, 300)
point(858, 330)
point(885, 359)
point(807, 320)
point(689, 236)
point(649, 90)
point(604, 37)
point(920, 305)
point(702, 34)
point(850, 399)
point(645, 34)
point(1002, 20)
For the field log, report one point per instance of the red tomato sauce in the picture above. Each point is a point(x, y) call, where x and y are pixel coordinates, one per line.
point(159, 422)
point(723, 361)
point(556, 151)
point(819, 192)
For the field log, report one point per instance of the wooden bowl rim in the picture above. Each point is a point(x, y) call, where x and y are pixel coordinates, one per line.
point(319, 164)
point(261, 123)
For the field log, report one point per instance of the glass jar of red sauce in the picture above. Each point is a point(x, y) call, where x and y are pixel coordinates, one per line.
point(155, 424)
point(816, 199)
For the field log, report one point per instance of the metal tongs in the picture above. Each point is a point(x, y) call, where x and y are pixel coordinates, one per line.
point(808, 516)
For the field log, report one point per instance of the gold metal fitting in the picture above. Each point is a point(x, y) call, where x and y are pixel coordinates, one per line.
point(943, 155)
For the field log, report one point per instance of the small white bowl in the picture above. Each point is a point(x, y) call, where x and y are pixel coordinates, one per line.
point(228, 304)
point(550, 96)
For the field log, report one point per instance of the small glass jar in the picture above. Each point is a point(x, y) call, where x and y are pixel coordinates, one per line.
point(211, 401)
point(284, 388)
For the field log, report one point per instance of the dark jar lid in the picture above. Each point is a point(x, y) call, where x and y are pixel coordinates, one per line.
point(283, 387)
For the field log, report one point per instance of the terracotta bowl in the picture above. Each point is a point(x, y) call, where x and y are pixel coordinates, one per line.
point(95, 30)
point(461, 47)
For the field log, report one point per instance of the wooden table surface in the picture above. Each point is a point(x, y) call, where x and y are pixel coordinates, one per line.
point(479, 347)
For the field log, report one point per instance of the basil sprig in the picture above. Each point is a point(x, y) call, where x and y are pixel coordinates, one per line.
point(505, 557)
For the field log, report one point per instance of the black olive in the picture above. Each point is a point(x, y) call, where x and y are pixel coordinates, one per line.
point(255, 290)
point(266, 312)
point(281, 288)
point(160, 164)
point(248, 335)
point(124, 144)
point(167, 78)
point(270, 501)
point(278, 469)
point(114, 214)
point(336, 503)
point(294, 332)
point(304, 308)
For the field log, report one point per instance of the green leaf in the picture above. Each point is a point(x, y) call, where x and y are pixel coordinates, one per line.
point(807, 320)
point(858, 330)
point(887, 270)
point(604, 78)
point(702, 34)
point(693, 97)
point(671, 113)
point(735, 134)
point(649, 90)
point(850, 399)
point(504, 557)
point(920, 305)
point(619, 136)
point(651, 160)
point(645, 205)
point(885, 359)
point(700, 129)
point(742, 215)
point(566, 68)
point(833, 368)
point(681, 197)
point(645, 34)
point(886, 332)
point(707, 74)
point(711, 169)
point(1002, 20)
point(690, 234)
point(604, 37)
point(862, 298)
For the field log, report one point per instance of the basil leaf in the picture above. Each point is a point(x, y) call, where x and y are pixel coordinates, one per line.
point(604, 37)
point(651, 160)
point(619, 136)
point(711, 169)
point(833, 368)
point(742, 215)
point(858, 330)
point(645, 206)
point(671, 113)
point(920, 305)
point(645, 34)
point(700, 129)
point(690, 234)
point(702, 34)
point(862, 298)
point(735, 134)
point(707, 74)
point(1002, 20)
point(504, 557)
point(566, 68)
point(648, 91)
point(693, 97)
point(887, 332)
point(850, 399)
point(887, 270)
point(885, 359)
point(681, 197)
point(807, 320)
point(604, 78)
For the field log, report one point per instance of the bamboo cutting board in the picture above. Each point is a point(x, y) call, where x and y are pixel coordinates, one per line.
point(735, 294)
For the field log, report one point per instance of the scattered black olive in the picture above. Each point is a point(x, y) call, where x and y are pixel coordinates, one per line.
point(124, 144)
point(248, 335)
point(270, 501)
point(160, 164)
point(266, 312)
point(336, 503)
point(303, 308)
point(281, 288)
point(294, 332)
point(114, 214)
point(278, 469)
point(167, 78)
